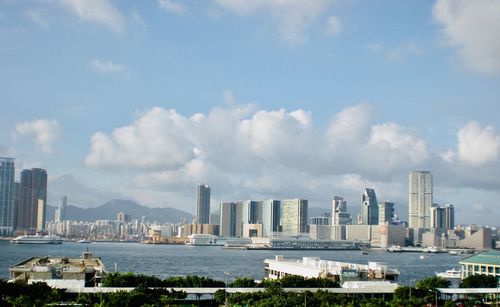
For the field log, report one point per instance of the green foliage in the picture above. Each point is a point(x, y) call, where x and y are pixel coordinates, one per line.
point(135, 280)
point(479, 281)
point(432, 283)
point(243, 282)
point(296, 281)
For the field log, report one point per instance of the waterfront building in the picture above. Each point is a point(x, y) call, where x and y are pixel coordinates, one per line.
point(7, 200)
point(437, 217)
point(64, 272)
point(33, 199)
point(227, 219)
point(340, 216)
point(294, 215)
point(202, 204)
point(271, 217)
point(369, 208)
point(385, 212)
point(420, 199)
point(314, 267)
point(486, 263)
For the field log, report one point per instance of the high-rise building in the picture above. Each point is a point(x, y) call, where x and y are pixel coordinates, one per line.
point(7, 208)
point(449, 213)
point(294, 215)
point(33, 199)
point(385, 212)
point(60, 213)
point(420, 199)
point(202, 204)
point(369, 208)
point(271, 217)
point(340, 216)
point(227, 219)
point(123, 217)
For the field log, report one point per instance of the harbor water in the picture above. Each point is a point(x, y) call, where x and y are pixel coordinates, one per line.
point(214, 261)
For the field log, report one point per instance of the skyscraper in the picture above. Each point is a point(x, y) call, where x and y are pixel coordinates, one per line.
point(449, 213)
point(420, 199)
point(369, 208)
point(6, 196)
point(60, 214)
point(340, 216)
point(33, 199)
point(202, 204)
point(385, 212)
point(294, 215)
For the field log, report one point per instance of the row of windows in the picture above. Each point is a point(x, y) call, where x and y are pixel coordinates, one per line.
point(481, 268)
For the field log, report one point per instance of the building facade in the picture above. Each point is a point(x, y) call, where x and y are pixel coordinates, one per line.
point(340, 216)
point(32, 203)
point(294, 215)
point(7, 173)
point(385, 212)
point(202, 204)
point(420, 199)
point(369, 208)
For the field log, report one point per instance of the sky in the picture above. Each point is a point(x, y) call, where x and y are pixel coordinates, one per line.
point(259, 99)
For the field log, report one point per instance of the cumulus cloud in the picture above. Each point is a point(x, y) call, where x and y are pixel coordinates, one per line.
point(293, 18)
point(43, 131)
point(472, 26)
point(99, 11)
point(477, 145)
point(108, 67)
point(171, 6)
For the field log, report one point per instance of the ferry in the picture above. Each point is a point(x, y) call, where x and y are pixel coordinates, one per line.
point(84, 241)
point(37, 239)
point(450, 274)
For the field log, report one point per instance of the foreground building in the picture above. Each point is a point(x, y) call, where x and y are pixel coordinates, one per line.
point(486, 263)
point(313, 267)
point(64, 272)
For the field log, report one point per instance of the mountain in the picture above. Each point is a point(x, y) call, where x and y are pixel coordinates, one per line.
point(109, 210)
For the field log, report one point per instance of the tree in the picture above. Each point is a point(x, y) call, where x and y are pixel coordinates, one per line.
point(479, 281)
point(243, 282)
point(432, 283)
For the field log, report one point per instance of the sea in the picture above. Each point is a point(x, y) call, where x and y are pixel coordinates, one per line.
point(214, 261)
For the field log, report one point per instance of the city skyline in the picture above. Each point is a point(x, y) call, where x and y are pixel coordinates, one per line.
point(259, 99)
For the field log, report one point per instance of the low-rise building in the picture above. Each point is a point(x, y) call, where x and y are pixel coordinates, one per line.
point(486, 263)
point(313, 267)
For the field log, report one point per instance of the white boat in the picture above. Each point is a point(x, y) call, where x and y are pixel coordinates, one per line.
point(83, 241)
point(450, 274)
point(394, 249)
point(37, 239)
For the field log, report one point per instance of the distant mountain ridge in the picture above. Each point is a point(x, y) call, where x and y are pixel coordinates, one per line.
point(109, 210)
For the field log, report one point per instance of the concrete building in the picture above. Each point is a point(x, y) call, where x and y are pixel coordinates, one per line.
point(60, 213)
point(202, 204)
point(449, 214)
point(479, 240)
point(123, 217)
point(320, 220)
point(271, 217)
point(340, 216)
point(486, 263)
point(385, 212)
point(420, 199)
point(369, 208)
point(7, 209)
point(294, 215)
point(33, 200)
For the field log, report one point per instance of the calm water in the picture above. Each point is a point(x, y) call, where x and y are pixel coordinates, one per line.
point(167, 260)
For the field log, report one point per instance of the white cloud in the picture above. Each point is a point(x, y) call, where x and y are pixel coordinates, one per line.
point(44, 131)
point(477, 145)
point(292, 17)
point(472, 26)
point(172, 6)
point(100, 11)
point(333, 26)
point(108, 67)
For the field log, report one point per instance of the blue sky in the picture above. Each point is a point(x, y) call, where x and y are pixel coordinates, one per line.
point(257, 98)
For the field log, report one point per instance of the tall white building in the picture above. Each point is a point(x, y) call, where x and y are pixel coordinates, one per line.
point(420, 199)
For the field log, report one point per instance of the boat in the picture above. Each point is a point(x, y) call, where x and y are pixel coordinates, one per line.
point(83, 241)
point(450, 274)
point(37, 239)
point(394, 249)
point(422, 257)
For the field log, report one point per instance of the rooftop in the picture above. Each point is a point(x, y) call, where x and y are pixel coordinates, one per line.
point(489, 257)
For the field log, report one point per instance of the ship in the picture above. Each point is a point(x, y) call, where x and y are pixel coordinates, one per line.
point(37, 239)
point(450, 274)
